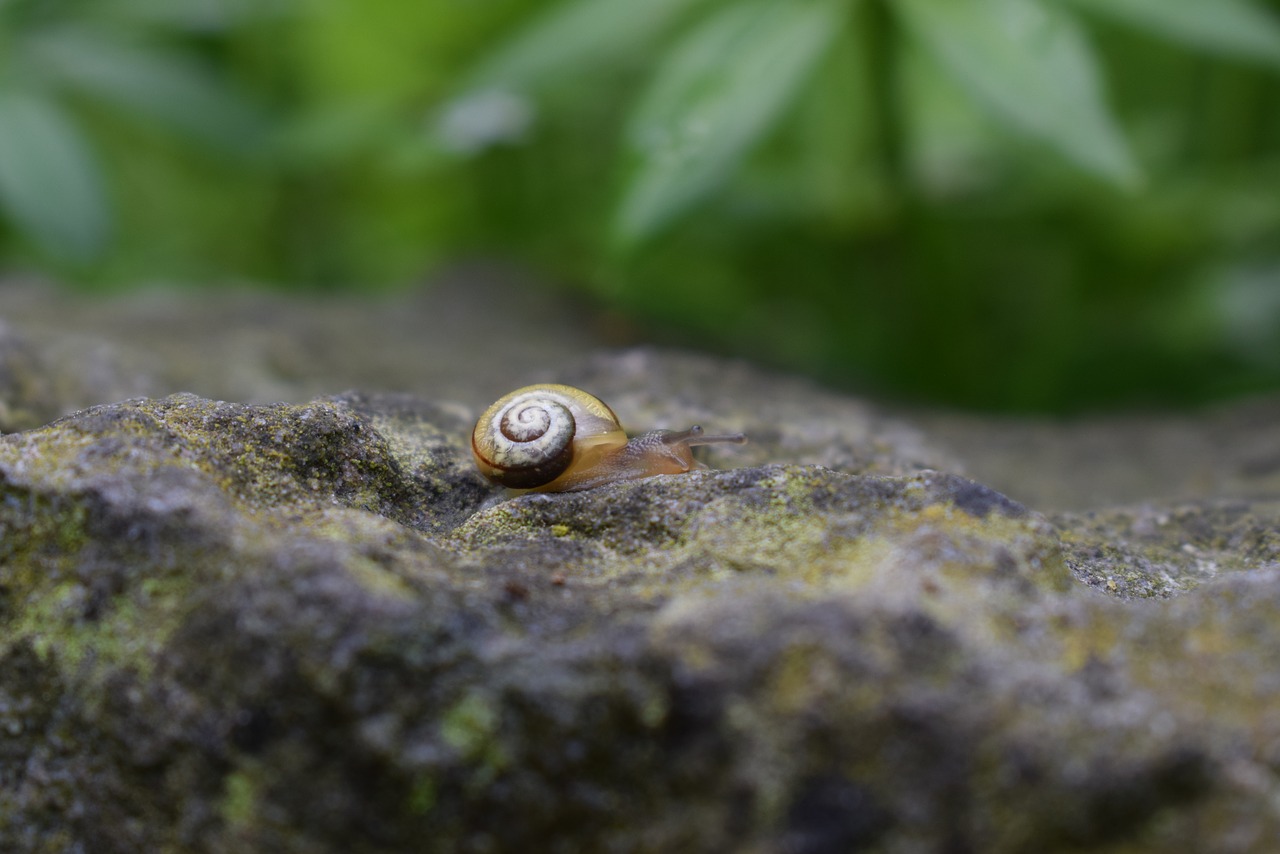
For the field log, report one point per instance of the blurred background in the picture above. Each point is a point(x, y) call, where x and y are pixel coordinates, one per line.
point(1006, 205)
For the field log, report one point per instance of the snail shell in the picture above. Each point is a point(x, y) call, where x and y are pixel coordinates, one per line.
point(556, 438)
point(531, 436)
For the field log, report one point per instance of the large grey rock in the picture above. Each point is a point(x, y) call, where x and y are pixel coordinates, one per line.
point(311, 626)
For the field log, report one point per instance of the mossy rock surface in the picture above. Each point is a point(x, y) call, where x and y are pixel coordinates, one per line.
point(311, 626)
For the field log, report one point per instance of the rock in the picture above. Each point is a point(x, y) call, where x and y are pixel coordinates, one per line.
point(1157, 551)
point(42, 377)
point(311, 626)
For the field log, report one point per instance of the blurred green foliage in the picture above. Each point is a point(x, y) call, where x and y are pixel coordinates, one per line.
point(1029, 204)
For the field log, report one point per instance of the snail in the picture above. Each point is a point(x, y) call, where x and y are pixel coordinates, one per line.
point(556, 438)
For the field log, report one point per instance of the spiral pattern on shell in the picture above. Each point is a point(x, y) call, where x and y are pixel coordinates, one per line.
point(526, 438)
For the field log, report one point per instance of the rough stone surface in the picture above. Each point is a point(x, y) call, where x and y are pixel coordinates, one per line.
point(309, 625)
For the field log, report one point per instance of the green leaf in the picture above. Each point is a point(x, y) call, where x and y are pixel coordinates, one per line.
point(575, 37)
point(1238, 28)
point(151, 82)
point(572, 38)
point(1030, 65)
point(50, 185)
point(719, 92)
point(192, 15)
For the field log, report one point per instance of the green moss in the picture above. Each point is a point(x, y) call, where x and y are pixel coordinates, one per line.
point(240, 798)
point(37, 530)
point(127, 634)
point(42, 623)
point(469, 725)
point(423, 795)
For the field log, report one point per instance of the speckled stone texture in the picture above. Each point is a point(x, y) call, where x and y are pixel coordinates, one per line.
point(302, 622)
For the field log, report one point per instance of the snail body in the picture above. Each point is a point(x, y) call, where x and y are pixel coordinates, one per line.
point(556, 438)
